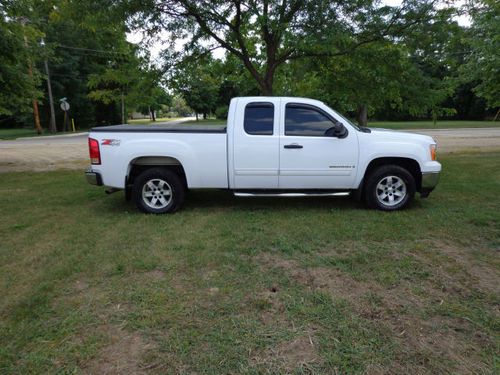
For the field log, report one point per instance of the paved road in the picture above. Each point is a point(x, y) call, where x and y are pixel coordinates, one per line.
point(70, 151)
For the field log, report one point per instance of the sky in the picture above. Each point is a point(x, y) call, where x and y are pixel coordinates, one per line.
point(156, 47)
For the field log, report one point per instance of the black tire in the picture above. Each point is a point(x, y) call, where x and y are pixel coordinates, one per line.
point(128, 193)
point(389, 188)
point(163, 181)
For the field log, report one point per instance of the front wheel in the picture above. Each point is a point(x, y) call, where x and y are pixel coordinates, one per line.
point(158, 191)
point(389, 188)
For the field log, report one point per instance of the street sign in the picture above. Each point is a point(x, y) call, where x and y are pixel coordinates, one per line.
point(65, 106)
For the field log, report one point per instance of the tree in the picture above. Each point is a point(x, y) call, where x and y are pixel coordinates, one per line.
point(408, 74)
point(79, 43)
point(198, 85)
point(116, 84)
point(179, 107)
point(264, 35)
point(147, 95)
point(234, 80)
point(83, 38)
point(483, 62)
point(354, 83)
point(18, 44)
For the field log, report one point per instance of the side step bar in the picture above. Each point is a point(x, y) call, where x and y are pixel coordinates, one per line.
point(289, 195)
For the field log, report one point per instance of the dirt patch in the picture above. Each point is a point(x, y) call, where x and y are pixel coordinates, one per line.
point(123, 354)
point(287, 356)
point(336, 282)
point(437, 342)
point(155, 275)
point(482, 277)
point(441, 344)
point(80, 285)
point(273, 310)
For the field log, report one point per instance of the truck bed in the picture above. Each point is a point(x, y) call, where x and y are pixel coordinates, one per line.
point(161, 128)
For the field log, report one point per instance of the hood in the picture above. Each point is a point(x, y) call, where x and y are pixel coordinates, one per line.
point(401, 136)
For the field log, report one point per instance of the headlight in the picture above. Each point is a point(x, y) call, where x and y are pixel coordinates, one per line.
point(433, 149)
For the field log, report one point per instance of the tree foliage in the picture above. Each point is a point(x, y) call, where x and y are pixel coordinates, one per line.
point(88, 56)
point(483, 61)
point(266, 34)
point(359, 56)
point(198, 84)
point(17, 44)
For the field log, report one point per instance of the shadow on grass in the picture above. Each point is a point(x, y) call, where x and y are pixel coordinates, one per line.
point(219, 200)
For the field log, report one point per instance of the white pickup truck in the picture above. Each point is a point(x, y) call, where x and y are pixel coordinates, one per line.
point(271, 146)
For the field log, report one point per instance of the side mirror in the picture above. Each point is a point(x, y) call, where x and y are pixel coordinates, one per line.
point(338, 131)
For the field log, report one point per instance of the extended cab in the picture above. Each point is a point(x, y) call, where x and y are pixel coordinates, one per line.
point(270, 146)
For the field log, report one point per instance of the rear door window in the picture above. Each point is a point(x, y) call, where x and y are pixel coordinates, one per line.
point(259, 118)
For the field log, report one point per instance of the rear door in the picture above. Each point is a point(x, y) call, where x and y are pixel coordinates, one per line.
point(256, 144)
point(311, 159)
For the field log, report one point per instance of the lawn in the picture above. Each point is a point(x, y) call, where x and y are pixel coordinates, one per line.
point(8, 134)
point(400, 125)
point(18, 133)
point(233, 285)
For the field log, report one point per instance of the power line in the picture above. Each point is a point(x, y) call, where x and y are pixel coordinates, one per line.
point(92, 50)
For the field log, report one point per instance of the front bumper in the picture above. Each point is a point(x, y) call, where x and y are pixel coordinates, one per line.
point(429, 182)
point(93, 178)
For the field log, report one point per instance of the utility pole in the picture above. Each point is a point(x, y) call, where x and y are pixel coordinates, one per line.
point(53, 127)
point(36, 113)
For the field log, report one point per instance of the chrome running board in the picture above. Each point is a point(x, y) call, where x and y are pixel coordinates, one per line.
point(292, 195)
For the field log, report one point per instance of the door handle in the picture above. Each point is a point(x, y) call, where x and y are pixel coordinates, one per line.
point(293, 145)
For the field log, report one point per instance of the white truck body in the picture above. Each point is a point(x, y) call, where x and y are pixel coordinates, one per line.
point(286, 158)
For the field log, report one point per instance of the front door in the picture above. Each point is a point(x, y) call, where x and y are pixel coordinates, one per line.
point(310, 158)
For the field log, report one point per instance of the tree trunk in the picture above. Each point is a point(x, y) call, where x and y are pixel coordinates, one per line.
point(265, 90)
point(266, 85)
point(153, 117)
point(362, 114)
point(204, 116)
point(196, 116)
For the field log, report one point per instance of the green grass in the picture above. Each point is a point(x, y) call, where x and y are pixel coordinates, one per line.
point(14, 133)
point(230, 285)
point(18, 133)
point(399, 125)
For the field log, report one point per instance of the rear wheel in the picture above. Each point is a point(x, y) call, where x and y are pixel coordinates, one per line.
point(389, 188)
point(158, 191)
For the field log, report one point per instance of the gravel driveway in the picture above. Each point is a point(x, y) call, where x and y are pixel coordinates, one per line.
point(70, 151)
point(467, 139)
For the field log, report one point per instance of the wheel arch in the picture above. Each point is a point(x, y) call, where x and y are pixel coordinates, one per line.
point(411, 165)
point(142, 163)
